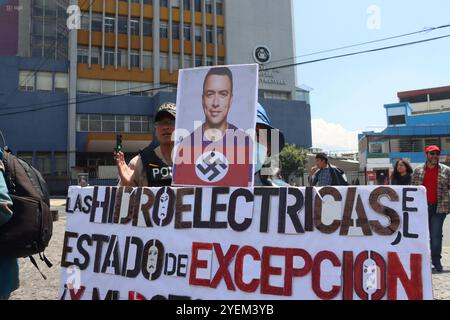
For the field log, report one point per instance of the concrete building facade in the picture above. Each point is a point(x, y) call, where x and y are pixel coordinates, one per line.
point(65, 94)
point(420, 119)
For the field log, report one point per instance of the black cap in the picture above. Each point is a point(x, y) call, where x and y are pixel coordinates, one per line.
point(166, 108)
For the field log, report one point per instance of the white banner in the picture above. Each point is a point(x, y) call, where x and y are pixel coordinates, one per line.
point(343, 243)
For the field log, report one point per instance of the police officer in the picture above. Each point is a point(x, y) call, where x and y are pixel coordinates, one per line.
point(153, 166)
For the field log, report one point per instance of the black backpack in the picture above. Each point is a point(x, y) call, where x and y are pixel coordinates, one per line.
point(338, 176)
point(30, 228)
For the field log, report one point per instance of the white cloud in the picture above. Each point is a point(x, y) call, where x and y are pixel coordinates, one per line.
point(333, 137)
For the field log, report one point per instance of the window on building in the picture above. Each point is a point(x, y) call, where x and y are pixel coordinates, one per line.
point(44, 163)
point(26, 80)
point(120, 123)
point(176, 31)
point(430, 142)
point(38, 8)
point(147, 28)
point(209, 35)
point(49, 50)
point(135, 59)
point(97, 22)
point(122, 60)
point(44, 81)
point(277, 95)
point(140, 124)
point(198, 33)
point(140, 89)
point(219, 7)
point(147, 59)
point(89, 86)
point(164, 61)
point(95, 123)
point(108, 123)
point(209, 61)
point(26, 156)
point(85, 22)
point(221, 61)
point(95, 55)
point(109, 56)
point(83, 122)
point(164, 30)
point(122, 88)
point(220, 37)
point(108, 87)
point(187, 32)
point(376, 147)
point(198, 61)
point(187, 5)
point(61, 82)
point(163, 3)
point(83, 55)
point(123, 25)
point(60, 164)
point(38, 27)
point(50, 28)
point(110, 23)
point(175, 61)
point(208, 6)
point(187, 61)
point(134, 27)
point(445, 143)
point(198, 5)
point(175, 4)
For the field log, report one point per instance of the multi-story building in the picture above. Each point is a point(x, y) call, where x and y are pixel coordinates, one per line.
point(65, 93)
point(420, 119)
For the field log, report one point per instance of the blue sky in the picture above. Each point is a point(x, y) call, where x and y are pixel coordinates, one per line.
point(349, 93)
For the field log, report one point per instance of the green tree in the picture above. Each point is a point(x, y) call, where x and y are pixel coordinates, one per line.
point(292, 160)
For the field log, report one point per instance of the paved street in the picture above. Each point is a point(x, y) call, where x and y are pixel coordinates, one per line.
point(34, 287)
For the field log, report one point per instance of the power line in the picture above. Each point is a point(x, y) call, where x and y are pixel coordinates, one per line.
point(425, 30)
point(268, 69)
point(79, 102)
point(74, 100)
point(355, 53)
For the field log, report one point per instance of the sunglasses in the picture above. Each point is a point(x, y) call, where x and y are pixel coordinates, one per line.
point(434, 153)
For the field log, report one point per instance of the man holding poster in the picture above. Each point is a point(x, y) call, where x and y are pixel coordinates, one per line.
point(218, 152)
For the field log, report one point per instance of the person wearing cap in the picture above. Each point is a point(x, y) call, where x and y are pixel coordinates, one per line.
point(435, 177)
point(153, 166)
point(269, 143)
point(217, 153)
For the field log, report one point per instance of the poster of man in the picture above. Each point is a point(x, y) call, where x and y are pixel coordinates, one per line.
point(215, 126)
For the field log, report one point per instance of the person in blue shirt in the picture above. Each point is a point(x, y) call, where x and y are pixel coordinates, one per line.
point(9, 267)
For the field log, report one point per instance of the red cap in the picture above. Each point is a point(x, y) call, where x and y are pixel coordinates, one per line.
point(432, 148)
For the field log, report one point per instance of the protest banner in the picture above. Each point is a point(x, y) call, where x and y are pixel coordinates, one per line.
point(343, 243)
point(216, 120)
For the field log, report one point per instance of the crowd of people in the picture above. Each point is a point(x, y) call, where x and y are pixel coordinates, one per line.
point(152, 167)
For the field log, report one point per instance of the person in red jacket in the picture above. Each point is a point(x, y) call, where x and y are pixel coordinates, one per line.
point(435, 177)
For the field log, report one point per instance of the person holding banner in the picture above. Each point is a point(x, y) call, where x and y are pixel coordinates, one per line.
point(435, 177)
point(269, 143)
point(9, 268)
point(153, 166)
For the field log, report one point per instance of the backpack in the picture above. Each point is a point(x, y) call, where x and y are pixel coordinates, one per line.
point(30, 228)
point(339, 177)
